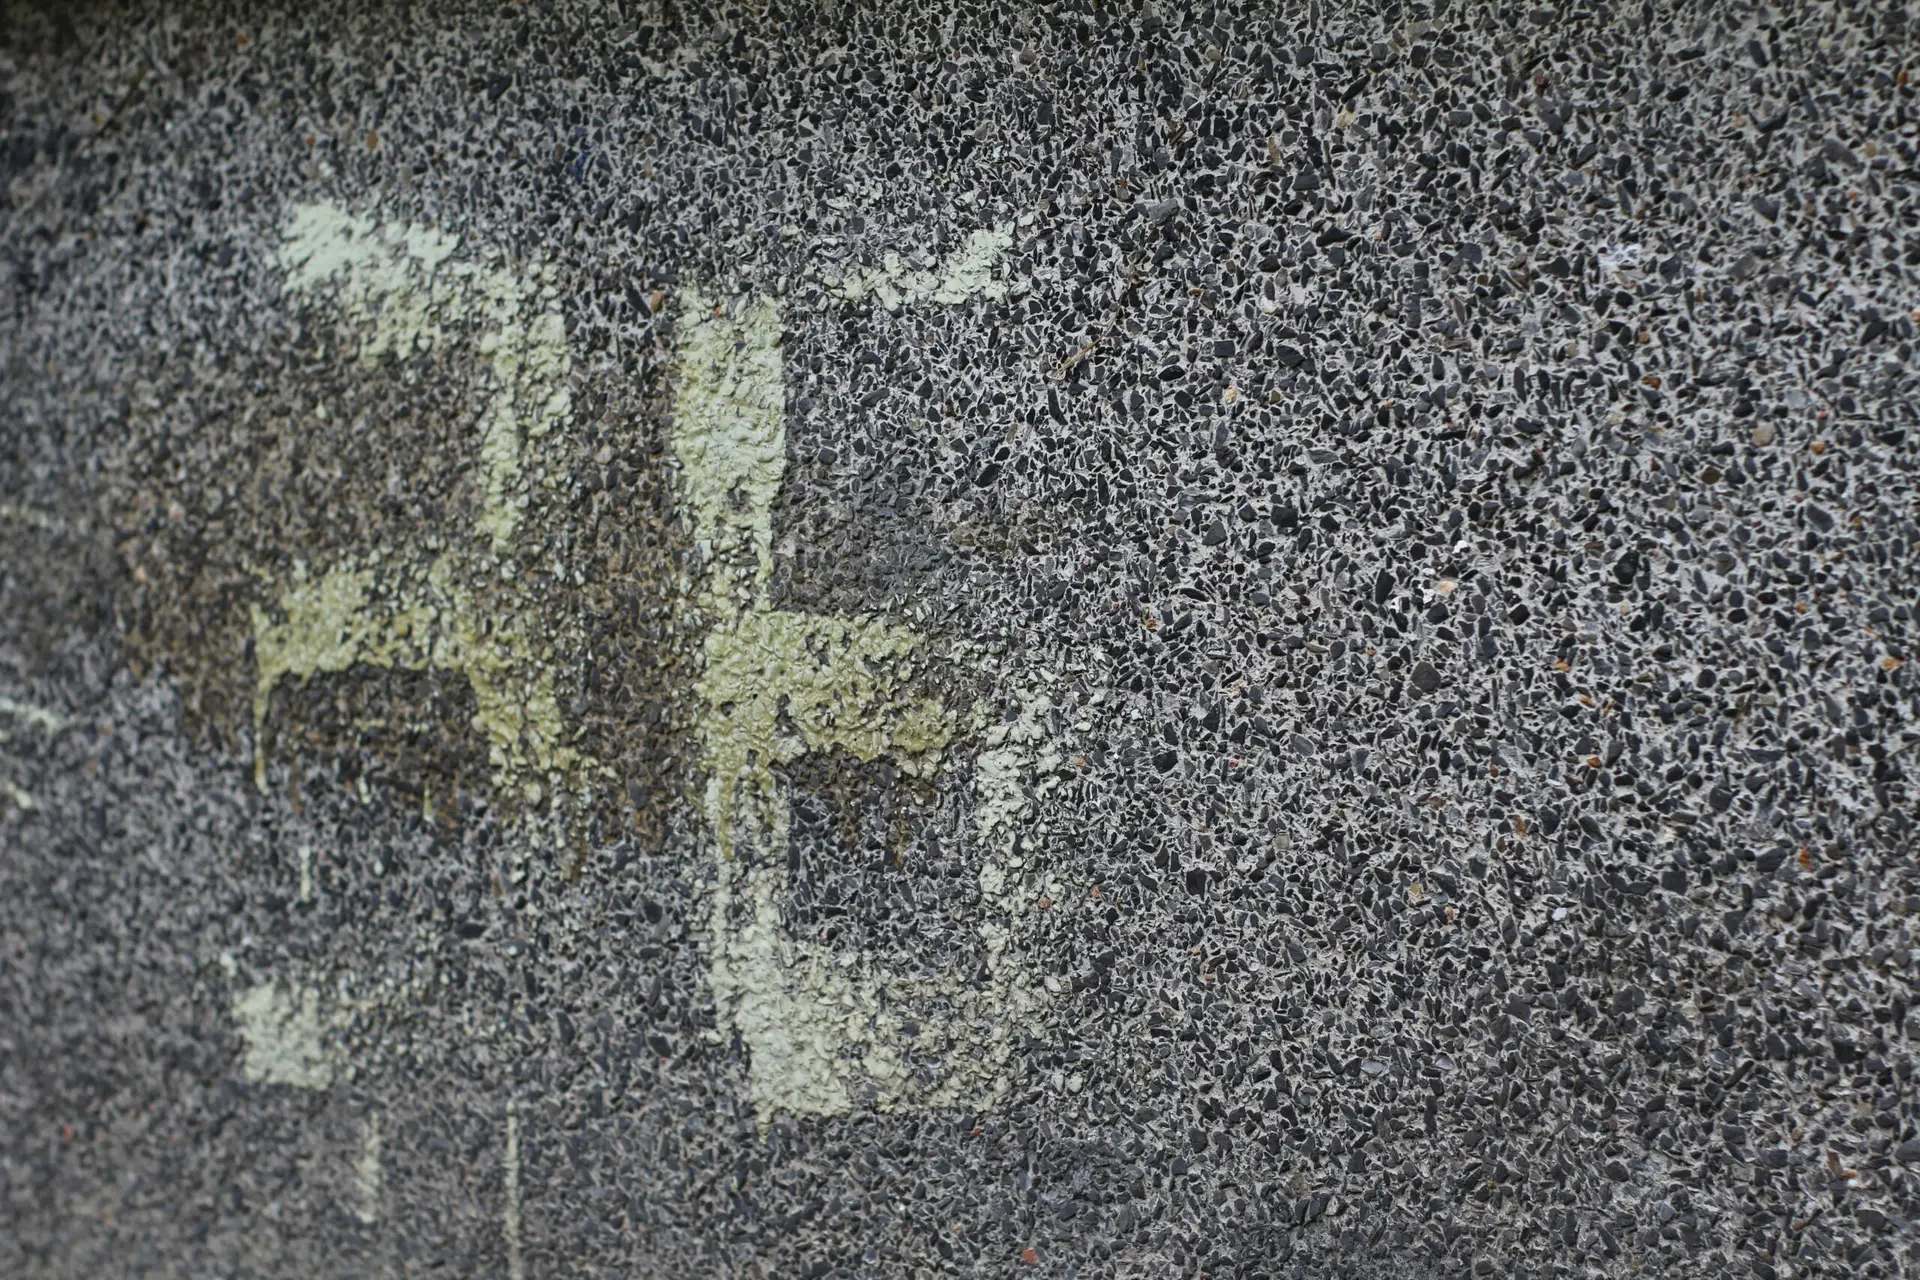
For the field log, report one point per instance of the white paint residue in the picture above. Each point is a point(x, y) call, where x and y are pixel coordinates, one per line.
point(33, 717)
point(369, 1178)
point(1000, 782)
point(825, 1030)
point(403, 286)
point(510, 1220)
point(48, 722)
point(971, 271)
point(286, 1040)
point(730, 435)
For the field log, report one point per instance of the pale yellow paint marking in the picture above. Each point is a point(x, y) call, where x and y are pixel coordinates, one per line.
point(404, 288)
point(286, 1038)
point(369, 1175)
point(336, 622)
point(824, 1029)
point(510, 1220)
point(974, 270)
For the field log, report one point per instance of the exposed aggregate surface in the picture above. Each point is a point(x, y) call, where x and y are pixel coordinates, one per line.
point(1429, 491)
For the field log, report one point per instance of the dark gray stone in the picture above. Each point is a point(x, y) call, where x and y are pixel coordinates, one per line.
point(1406, 518)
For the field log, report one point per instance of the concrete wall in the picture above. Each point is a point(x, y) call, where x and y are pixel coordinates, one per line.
point(887, 640)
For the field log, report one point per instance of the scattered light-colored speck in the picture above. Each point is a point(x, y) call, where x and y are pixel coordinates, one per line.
point(31, 716)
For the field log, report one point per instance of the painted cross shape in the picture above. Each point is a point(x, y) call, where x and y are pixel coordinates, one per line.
point(826, 1030)
point(823, 1029)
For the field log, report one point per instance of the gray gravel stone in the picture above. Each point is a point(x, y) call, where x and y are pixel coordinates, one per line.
point(1256, 641)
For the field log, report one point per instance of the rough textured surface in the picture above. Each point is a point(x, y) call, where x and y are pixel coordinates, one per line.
point(1302, 674)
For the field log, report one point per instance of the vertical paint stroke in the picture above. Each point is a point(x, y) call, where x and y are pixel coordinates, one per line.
point(510, 1221)
point(369, 1177)
point(824, 1030)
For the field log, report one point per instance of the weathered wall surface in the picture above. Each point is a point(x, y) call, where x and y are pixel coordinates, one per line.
point(878, 640)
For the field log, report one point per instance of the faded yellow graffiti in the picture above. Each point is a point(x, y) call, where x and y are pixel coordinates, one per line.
point(404, 289)
point(344, 618)
point(826, 1029)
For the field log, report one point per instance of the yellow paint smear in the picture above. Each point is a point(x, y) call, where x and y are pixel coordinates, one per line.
point(778, 685)
point(404, 289)
point(333, 623)
point(825, 1030)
